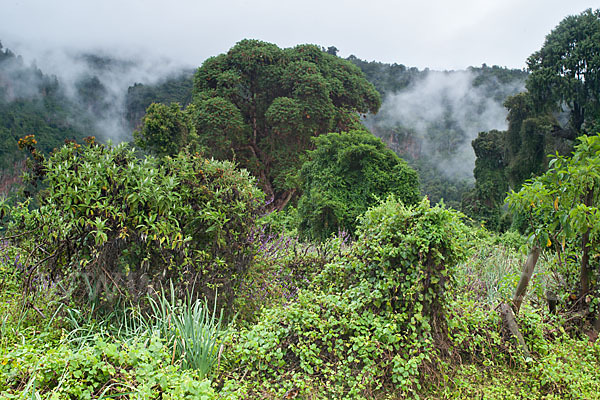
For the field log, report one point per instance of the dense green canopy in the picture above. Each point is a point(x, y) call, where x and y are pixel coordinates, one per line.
point(260, 105)
point(282, 97)
point(566, 70)
point(345, 175)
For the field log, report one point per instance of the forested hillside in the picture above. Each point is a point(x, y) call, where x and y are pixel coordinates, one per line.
point(88, 97)
point(256, 240)
point(33, 103)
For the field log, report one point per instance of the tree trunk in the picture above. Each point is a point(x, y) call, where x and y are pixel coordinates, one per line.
point(584, 272)
point(532, 258)
point(263, 180)
point(508, 317)
point(280, 203)
point(552, 301)
point(577, 117)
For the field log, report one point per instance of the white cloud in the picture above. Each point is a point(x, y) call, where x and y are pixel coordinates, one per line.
point(446, 98)
point(437, 34)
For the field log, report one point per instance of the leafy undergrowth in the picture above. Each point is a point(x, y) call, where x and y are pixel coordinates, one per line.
point(379, 318)
point(286, 356)
point(486, 363)
point(371, 321)
point(103, 369)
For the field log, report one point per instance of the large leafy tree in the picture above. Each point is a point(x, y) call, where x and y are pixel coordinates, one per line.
point(565, 76)
point(347, 173)
point(261, 105)
point(563, 205)
point(566, 70)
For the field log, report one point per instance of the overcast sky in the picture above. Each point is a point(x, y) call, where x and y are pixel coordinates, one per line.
point(439, 34)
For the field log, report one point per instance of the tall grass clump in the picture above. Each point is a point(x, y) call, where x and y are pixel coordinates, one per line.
point(192, 331)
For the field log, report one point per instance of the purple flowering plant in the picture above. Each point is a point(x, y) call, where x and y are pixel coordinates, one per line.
point(12, 267)
point(282, 266)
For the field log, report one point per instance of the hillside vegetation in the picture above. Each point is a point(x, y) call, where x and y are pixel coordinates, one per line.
point(262, 243)
point(32, 103)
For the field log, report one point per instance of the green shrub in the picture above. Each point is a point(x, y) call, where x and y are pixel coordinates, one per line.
point(346, 174)
point(372, 318)
point(474, 332)
point(122, 224)
point(165, 130)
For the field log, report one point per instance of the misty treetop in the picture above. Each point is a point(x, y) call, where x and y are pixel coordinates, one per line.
point(566, 70)
point(261, 105)
point(561, 103)
point(387, 78)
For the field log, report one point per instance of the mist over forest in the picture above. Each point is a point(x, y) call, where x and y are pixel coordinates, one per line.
point(427, 117)
point(441, 113)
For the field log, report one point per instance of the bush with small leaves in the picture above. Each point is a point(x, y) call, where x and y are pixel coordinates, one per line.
point(347, 173)
point(371, 320)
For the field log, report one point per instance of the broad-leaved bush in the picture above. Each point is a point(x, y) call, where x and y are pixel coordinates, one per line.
point(110, 224)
